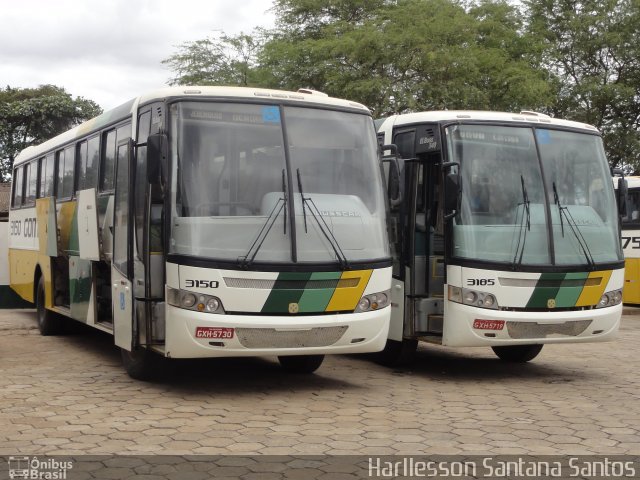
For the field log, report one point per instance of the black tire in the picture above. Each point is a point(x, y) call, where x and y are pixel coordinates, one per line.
point(397, 353)
point(301, 363)
point(143, 364)
point(517, 353)
point(49, 323)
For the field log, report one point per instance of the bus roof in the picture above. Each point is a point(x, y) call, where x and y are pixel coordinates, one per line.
point(128, 108)
point(466, 115)
point(632, 182)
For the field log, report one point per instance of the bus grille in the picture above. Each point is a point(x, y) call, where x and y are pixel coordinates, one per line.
point(273, 338)
point(524, 330)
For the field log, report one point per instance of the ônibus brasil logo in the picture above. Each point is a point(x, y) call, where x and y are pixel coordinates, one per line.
point(34, 468)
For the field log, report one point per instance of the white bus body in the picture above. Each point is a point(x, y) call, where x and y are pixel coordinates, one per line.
point(208, 222)
point(505, 232)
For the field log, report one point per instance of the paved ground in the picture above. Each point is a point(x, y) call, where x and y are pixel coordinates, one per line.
point(69, 395)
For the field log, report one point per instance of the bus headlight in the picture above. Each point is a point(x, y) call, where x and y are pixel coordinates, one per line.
point(610, 299)
point(473, 297)
point(198, 302)
point(374, 301)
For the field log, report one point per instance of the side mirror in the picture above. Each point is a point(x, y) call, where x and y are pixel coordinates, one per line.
point(623, 196)
point(394, 183)
point(157, 157)
point(452, 189)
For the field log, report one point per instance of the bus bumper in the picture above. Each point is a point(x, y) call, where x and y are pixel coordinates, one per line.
point(255, 335)
point(521, 328)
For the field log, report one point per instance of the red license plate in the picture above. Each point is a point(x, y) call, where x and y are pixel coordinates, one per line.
point(214, 332)
point(488, 324)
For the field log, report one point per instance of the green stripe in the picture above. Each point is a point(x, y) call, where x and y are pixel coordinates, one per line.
point(542, 294)
point(316, 300)
point(568, 295)
point(281, 296)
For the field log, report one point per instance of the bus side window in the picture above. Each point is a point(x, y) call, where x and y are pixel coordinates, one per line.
point(59, 173)
point(69, 170)
point(31, 181)
point(108, 161)
point(93, 154)
point(81, 156)
point(47, 180)
point(42, 168)
point(18, 187)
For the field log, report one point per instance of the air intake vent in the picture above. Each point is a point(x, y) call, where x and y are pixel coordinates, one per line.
point(273, 338)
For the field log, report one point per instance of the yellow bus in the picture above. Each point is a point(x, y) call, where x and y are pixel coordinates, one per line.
point(631, 240)
point(505, 231)
point(208, 222)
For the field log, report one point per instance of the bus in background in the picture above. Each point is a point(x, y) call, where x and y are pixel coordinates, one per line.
point(209, 222)
point(630, 237)
point(505, 232)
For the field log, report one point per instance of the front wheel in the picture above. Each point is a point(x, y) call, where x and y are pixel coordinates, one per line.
point(49, 323)
point(517, 353)
point(301, 363)
point(143, 364)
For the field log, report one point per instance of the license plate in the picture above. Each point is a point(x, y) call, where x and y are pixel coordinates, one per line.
point(488, 324)
point(214, 332)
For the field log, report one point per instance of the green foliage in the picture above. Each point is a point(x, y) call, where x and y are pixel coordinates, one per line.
point(29, 116)
point(592, 47)
point(227, 60)
point(407, 55)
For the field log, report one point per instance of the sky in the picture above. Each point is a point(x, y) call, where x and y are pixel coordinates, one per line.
point(110, 51)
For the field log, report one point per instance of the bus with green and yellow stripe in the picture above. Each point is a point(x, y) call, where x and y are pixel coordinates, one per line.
point(208, 222)
point(506, 233)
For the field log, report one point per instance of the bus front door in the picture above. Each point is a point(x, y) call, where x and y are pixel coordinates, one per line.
point(122, 262)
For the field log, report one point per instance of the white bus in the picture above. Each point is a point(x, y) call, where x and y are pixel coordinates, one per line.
point(505, 230)
point(209, 222)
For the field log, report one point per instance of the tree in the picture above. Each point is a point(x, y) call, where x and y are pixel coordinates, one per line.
point(408, 55)
point(226, 60)
point(592, 47)
point(29, 116)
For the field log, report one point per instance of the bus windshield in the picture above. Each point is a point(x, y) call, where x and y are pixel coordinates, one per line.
point(519, 183)
point(239, 168)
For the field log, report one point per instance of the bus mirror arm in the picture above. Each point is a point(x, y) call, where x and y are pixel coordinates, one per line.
point(623, 196)
point(157, 158)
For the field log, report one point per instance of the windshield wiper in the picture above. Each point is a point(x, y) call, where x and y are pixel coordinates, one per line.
point(575, 229)
point(304, 209)
point(523, 231)
point(324, 228)
point(556, 200)
point(280, 205)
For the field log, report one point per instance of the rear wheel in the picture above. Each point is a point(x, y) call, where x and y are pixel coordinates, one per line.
point(49, 323)
point(143, 364)
point(397, 353)
point(517, 353)
point(301, 363)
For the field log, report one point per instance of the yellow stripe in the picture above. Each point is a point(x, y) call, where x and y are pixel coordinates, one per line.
point(22, 265)
point(346, 298)
point(591, 293)
point(631, 292)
